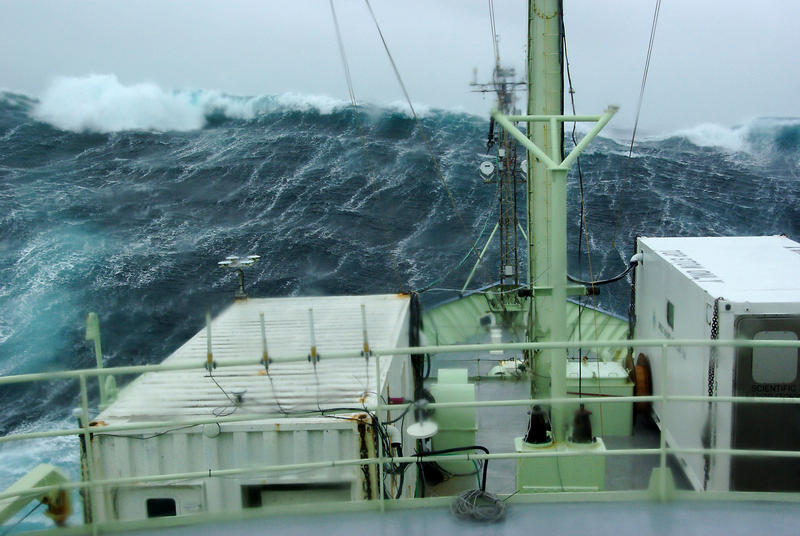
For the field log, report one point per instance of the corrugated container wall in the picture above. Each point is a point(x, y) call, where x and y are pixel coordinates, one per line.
point(724, 288)
point(287, 405)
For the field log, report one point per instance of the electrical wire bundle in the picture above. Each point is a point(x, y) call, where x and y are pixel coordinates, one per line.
point(380, 434)
point(479, 505)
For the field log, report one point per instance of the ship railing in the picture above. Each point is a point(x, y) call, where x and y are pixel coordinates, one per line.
point(661, 486)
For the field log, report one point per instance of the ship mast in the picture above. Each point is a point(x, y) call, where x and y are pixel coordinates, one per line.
point(547, 199)
point(547, 255)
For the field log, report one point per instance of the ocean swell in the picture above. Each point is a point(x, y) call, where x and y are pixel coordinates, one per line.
point(120, 199)
point(102, 104)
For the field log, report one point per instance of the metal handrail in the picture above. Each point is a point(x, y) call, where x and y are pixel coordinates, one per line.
point(444, 349)
point(86, 429)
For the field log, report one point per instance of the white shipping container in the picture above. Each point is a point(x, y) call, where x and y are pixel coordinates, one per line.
point(287, 427)
point(725, 288)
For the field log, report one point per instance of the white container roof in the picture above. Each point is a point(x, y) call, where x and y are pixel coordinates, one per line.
point(756, 269)
point(290, 387)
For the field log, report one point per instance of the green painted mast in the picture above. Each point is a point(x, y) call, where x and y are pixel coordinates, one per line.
point(547, 199)
point(545, 90)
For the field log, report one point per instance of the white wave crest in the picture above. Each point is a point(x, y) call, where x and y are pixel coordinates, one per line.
point(101, 103)
point(321, 103)
point(753, 135)
point(711, 135)
point(402, 107)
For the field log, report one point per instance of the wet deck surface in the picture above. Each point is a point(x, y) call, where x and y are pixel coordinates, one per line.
point(498, 426)
point(700, 518)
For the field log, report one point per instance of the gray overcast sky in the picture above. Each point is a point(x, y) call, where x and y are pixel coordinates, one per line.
point(719, 62)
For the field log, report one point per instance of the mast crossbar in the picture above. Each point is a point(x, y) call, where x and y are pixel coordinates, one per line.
point(507, 122)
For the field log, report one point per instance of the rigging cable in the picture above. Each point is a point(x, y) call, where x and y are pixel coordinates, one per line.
point(23, 518)
point(583, 233)
point(583, 228)
point(363, 138)
point(419, 126)
point(430, 285)
point(476, 504)
point(638, 111)
point(580, 173)
point(494, 35)
point(223, 411)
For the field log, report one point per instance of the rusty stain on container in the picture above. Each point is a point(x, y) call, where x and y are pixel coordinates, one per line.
point(365, 448)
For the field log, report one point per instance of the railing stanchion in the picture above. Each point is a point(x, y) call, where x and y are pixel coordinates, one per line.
point(662, 482)
point(97, 487)
point(91, 467)
point(378, 407)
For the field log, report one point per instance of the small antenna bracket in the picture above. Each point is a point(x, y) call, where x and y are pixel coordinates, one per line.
point(233, 262)
point(313, 356)
point(210, 363)
point(365, 349)
point(265, 360)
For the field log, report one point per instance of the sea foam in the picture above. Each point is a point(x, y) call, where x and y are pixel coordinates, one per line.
point(101, 103)
point(756, 135)
point(733, 139)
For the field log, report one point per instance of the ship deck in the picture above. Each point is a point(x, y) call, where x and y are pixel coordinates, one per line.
point(498, 426)
point(618, 509)
point(684, 518)
point(562, 514)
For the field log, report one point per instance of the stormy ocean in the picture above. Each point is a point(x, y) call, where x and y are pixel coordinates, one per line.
point(122, 199)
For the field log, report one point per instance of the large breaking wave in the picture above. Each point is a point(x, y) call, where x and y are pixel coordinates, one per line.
point(120, 199)
point(102, 104)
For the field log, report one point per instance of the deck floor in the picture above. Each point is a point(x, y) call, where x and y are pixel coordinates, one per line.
point(701, 518)
point(498, 426)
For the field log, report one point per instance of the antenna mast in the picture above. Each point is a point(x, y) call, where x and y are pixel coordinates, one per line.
point(507, 173)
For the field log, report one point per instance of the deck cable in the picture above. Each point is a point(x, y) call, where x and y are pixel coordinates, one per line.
point(421, 131)
point(583, 233)
point(582, 226)
point(23, 518)
point(636, 121)
point(224, 411)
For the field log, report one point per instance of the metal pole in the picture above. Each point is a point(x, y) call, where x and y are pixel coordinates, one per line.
point(264, 351)
point(662, 483)
point(521, 230)
point(559, 117)
point(209, 353)
point(91, 467)
point(443, 349)
point(93, 334)
point(531, 146)
point(378, 408)
point(578, 149)
point(480, 258)
point(554, 326)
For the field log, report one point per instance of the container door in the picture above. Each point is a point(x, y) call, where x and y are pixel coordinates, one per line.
point(766, 372)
